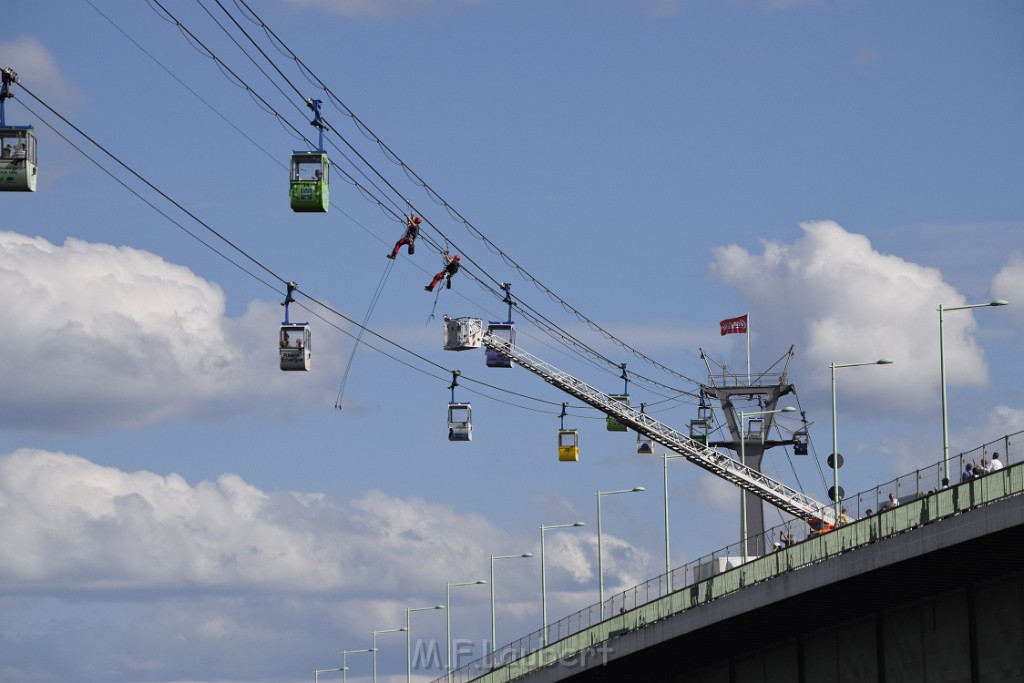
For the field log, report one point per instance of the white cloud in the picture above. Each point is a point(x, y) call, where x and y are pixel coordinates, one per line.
point(114, 336)
point(38, 71)
point(842, 301)
point(83, 528)
point(140, 573)
point(1009, 284)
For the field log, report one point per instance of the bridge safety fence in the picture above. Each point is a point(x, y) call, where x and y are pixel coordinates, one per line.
point(906, 488)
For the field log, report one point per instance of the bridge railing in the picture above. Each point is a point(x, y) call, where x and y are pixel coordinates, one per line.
point(908, 488)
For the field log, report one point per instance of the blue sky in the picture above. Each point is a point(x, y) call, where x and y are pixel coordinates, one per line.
point(178, 509)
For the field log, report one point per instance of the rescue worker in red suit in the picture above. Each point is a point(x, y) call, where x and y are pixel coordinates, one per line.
point(412, 231)
point(451, 267)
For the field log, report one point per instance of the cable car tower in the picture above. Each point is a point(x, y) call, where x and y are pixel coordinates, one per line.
point(756, 396)
point(17, 145)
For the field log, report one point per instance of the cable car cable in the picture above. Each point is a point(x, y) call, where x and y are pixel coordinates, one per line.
point(408, 170)
point(455, 214)
point(226, 241)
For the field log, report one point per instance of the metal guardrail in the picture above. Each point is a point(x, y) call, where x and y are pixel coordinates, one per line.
point(923, 500)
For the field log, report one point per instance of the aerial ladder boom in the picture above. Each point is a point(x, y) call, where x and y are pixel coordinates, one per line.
point(776, 493)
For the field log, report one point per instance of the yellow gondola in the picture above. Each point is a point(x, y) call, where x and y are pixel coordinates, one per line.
point(568, 445)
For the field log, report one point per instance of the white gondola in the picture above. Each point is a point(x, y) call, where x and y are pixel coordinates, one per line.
point(295, 340)
point(295, 344)
point(460, 422)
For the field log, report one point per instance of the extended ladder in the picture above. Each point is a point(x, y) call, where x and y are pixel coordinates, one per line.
point(776, 493)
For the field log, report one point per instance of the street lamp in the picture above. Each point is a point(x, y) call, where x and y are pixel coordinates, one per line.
point(317, 672)
point(668, 562)
point(374, 648)
point(448, 619)
point(743, 461)
point(600, 564)
point(408, 639)
point(344, 665)
point(835, 438)
point(942, 375)
point(543, 578)
point(493, 558)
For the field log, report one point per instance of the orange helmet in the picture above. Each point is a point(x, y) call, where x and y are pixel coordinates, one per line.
point(456, 257)
point(417, 219)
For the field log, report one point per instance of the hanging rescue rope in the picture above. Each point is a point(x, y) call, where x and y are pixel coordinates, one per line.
point(362, 329)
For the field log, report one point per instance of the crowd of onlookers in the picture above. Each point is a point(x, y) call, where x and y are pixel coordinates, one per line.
point(972, 470)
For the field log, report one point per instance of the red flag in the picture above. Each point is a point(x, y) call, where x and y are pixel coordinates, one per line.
point(734, 325)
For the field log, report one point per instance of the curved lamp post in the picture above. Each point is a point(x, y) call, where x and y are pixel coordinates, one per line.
point(493, 558)
point(317, 672)
point(543, 578)
point(942, 375)
point(448, 620)
point(600, 562)
point(344, 663)
point(408, 638)
point(835, 438)
point(374, 648)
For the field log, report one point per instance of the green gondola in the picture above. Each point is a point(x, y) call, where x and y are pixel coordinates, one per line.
point(309, 172)
point(310, 191)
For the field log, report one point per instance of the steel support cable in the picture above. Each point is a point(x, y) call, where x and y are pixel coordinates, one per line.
point(491, 246)
point(370, 195)
point(299, 93)
point(153, 206)
point(184, 85)
point(335, 312)
point(204, 242)
point(212, 55)
point(458, 216)
point(153, 187)
point(270, 109)
point(209, 106)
